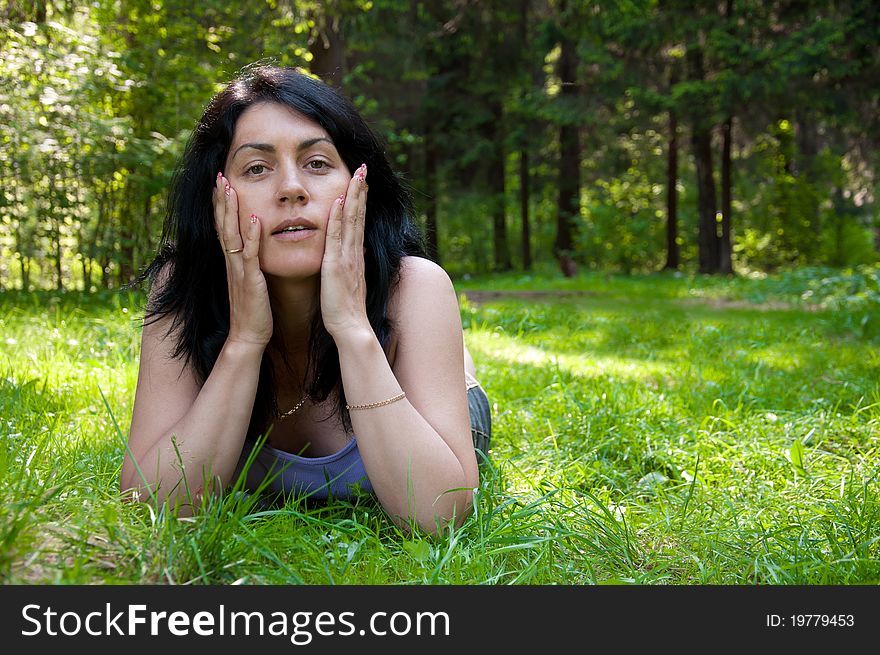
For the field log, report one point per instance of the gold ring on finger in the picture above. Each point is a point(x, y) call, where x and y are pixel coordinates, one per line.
point(233, 250)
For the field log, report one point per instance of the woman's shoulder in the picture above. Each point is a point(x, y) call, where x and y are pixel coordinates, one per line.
point(420, 279)
point(423, 310)
point(419, 269)
point(423, 296)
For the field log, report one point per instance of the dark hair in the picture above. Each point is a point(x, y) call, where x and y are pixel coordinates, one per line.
point(195, 291)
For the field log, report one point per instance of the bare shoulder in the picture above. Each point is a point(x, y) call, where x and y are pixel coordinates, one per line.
point(421, 278)
point(423, 304)
point(423, 288)
point(412, 265)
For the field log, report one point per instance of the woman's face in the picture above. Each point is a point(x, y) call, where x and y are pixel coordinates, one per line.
point(285, 169)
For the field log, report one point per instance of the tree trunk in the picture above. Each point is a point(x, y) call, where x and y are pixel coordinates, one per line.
point(672, 258)
point(524, 209)
point(59, 279)
point(87, 272)
point(85, 245)
point(125, 272)
point(725, 241)
point(837, 197)
point(701, 139)
point(328, 46)
point(808, 149)
point(105, 272)
point(110, 234)
point(497, 186)
point(25, 273)
point(706, 206)
point(56, 219)
point(143, 242)
point(525, 230)
point(568, 207)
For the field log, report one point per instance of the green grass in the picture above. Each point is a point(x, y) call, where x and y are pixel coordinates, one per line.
point(651, 430)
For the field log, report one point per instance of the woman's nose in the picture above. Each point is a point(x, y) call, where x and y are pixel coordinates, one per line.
point(291, 187)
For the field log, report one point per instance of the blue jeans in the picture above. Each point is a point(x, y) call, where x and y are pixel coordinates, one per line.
point(481, 418)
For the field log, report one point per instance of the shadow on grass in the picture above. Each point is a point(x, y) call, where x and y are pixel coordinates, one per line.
point(784, 359)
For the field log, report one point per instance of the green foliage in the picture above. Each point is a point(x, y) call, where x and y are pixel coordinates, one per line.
point(622, 227)
point(799, 217)
point(97, 104)
point(97, 100)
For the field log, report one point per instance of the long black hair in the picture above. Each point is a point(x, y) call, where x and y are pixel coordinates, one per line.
point(193, 288)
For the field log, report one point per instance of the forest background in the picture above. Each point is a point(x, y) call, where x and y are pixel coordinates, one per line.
point(715, 137)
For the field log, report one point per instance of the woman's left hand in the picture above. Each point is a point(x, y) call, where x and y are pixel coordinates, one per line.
point(343, 284)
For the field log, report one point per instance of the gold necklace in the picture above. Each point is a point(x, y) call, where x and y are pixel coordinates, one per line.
point(291, 412)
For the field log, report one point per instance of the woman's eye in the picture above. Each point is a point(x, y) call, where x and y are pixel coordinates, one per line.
point(256, 169)
point(317, 164)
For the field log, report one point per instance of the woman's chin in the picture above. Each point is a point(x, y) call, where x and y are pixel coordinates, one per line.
point(290, 271)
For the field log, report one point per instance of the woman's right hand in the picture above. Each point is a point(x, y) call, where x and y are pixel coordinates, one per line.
point(250, 316)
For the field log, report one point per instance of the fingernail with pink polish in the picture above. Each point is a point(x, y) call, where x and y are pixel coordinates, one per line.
point(342, 200)
point(253, 218)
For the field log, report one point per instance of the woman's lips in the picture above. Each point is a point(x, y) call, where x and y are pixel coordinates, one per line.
point(294, 229)
point(294, 235)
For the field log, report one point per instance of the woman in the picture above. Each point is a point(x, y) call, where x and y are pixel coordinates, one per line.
point(283, 303)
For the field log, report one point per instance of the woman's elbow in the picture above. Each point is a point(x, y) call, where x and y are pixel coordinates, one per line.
point(127, 486)
point(132, 489)
point(450, 510)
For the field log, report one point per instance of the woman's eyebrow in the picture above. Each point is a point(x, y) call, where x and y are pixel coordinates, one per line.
point(268, 147)
point(308, 143)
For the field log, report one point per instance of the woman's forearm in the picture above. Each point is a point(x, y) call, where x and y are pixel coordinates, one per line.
point(200, 452)
point(412, 469)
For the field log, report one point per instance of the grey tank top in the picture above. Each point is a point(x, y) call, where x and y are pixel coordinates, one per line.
point(337, 475)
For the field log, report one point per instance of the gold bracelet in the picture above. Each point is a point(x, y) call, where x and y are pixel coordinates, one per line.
point(381, 403)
